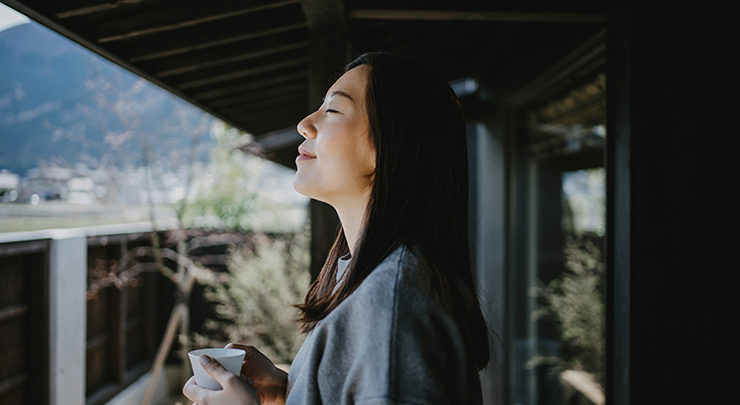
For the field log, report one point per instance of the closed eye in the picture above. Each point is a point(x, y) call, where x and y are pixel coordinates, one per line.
point(329, 110)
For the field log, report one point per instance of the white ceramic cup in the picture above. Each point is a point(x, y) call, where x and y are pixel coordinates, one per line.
point(231, 359)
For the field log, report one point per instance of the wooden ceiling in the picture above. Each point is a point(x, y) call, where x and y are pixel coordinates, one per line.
point(249, 62)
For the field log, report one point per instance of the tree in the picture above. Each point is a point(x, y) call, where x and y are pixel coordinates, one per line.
point(575, 302)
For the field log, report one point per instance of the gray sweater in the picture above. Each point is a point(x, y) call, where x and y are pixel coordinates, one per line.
point(389, 342)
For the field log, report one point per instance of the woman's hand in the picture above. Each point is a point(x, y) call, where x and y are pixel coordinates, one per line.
point(270, 382)
point(235, 391)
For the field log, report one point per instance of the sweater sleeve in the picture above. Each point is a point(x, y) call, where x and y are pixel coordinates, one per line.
point(390, 342)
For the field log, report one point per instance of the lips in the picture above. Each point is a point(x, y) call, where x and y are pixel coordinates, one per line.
point(303, 154)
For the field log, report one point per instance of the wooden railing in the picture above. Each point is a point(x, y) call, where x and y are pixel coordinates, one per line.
point(68, 335)
point(61, 342)
point(124, 318)
point(24, 322)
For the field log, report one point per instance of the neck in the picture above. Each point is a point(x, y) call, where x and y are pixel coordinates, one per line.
point(351, 215)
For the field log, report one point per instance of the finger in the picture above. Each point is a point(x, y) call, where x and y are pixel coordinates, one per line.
point(215, 369)
point(250, 353)
point(192, 391)
point(234, 345)
point(247, 348)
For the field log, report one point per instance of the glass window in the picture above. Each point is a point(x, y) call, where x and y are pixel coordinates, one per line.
point(558, 186)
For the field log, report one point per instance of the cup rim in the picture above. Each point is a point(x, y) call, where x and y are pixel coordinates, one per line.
point(221, 352)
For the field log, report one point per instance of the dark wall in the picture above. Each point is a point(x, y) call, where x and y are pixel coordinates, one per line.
point(679, 98)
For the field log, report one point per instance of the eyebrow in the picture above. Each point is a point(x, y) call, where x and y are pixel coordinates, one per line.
point(340, 93)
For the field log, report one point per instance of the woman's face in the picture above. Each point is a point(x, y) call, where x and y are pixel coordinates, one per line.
point(337, 159)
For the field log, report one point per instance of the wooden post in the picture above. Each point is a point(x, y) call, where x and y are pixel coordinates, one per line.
point(67, 317)
point(617, 241)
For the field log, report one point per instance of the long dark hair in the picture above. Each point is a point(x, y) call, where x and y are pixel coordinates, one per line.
point(419, 196)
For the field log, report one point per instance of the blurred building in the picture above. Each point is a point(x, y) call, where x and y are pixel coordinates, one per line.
point(9, 184)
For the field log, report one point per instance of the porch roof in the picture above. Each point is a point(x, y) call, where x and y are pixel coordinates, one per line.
point(250, 62)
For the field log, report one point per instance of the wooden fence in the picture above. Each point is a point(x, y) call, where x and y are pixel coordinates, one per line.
point(24, 323)
point(125, 320)
point(61, 343)
point(69, 334)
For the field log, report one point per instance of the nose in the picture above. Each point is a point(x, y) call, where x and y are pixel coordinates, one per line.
point(306, 127)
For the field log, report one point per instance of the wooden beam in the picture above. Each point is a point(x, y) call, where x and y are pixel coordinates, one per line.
point(190, 47)
point(243, 73)
point(267, 103)
point(237, 58)
point(301, 85)
point(12, 383)
point(150, 23)
point(488, 16)
point(435, 38)
point(224, 51)
point(324, 13)
point(24, 248)
point(249, 86)
point(276, 115)
point(592, 50)
point(97, 8)
point(269, 111)
point(12, 311)
point(97, 340)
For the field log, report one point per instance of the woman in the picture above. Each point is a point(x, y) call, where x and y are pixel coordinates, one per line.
point(393, 317)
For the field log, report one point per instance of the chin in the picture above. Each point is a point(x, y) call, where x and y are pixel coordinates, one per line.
point(302, 187)
point(308, 190)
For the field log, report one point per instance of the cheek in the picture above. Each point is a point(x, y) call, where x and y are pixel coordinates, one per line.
point(357, 159)
point(369, 162)
point(364, 158)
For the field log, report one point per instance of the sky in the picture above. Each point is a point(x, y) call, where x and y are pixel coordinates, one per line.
point(9, 18)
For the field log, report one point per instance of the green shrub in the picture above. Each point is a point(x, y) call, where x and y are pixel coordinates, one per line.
point(575, 301)
point(254, 299)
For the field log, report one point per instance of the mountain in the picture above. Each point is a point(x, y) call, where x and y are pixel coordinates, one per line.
point(61, 103)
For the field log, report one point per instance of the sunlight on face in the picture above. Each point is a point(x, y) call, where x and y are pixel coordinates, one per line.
point(337, 159)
